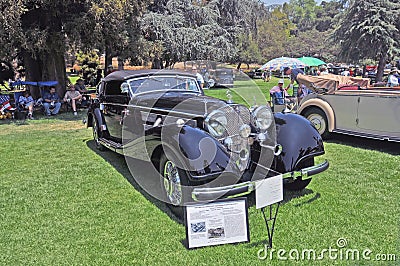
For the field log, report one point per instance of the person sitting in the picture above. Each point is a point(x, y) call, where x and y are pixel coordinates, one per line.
point(26, 102)
point(51, 102)
point(393, 79)
point(80, 86)
point(303, 91)
point(73, 96)
point(280, 94)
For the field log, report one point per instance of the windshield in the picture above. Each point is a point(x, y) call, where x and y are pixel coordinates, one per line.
point(156, 83)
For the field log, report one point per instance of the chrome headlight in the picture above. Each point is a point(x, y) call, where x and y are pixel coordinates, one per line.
point(216, 123)
point(262, 117)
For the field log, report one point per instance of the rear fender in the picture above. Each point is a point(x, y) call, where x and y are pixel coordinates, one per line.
point(300, 142)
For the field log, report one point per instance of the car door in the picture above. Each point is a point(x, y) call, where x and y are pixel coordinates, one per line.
point(115, 101)
point(344, 105)
point(379, 113)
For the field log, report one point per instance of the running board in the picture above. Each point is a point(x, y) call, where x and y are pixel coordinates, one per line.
point(115, 146)
point(366, 135)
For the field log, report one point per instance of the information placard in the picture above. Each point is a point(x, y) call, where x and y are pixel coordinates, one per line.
point(216, 223)
point(269, 191)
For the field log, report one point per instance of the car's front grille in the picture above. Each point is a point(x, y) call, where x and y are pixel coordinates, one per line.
point(237, 116)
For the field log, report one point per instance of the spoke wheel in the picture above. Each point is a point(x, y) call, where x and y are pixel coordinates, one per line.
point(174, 186)
point(172, 183)
point(96, 135)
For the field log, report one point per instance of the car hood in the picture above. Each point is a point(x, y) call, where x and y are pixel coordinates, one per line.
point(188, 103)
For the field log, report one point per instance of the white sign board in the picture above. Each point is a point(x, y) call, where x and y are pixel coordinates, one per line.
point(269, 191)
point(216, 223)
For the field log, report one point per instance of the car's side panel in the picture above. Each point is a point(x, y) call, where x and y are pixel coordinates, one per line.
point(345, 110)
point(379, 114)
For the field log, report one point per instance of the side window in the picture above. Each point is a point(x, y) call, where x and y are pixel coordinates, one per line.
point(113, 88)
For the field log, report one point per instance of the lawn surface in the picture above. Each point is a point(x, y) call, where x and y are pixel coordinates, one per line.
point(64, 203)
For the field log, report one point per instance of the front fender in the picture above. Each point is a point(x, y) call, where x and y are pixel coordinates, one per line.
point(200, 154)
point(300, 141)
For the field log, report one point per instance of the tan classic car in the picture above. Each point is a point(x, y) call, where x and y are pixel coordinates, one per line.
point(350, 106)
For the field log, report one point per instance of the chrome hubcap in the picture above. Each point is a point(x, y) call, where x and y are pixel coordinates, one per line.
point(172, 183)
point(318, 122)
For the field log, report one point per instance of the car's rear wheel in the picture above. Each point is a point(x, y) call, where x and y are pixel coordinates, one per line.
point(174, 185)
point(318, 118)
point(296, 184)
point(97, 135)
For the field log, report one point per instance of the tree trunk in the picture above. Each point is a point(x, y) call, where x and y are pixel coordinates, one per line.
point(107, 59)
point(33, 72)
point(381, 68)
point(120, 63)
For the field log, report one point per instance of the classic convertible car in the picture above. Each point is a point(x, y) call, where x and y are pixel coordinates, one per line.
point(201, 148)
point(350, 106)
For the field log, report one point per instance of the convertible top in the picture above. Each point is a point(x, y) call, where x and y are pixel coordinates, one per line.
point(331, 82)
point(128, 74)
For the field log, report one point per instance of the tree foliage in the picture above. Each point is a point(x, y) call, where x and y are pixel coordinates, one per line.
point(369, 29)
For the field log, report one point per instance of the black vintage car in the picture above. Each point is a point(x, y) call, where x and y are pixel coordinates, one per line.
point(200, 148)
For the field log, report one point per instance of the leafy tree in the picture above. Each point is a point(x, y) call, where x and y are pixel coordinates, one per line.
point(369, 29)
point(273, 34)
point(116, 27)
point(40, 31)
point(186, 31)
point(35, 31)
point(89, 63)
point(302, 13)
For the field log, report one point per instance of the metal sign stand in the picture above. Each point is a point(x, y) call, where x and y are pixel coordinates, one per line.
point(269, 216)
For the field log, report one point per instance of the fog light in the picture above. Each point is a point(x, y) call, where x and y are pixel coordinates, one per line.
point(228, 142)
point(261, 137)
point(244, 154)
point(245, 131)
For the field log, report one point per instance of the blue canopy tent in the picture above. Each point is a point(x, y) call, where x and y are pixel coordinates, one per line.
point(17, 84)
point(18, 88)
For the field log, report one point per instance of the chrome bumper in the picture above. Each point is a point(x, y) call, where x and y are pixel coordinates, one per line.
point(241, 189)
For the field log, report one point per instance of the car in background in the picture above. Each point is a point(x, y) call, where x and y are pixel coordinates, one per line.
point(255, 73)
point(350, 106)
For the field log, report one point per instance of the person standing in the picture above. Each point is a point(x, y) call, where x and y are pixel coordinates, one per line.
point(199, 77)
point(293, 75)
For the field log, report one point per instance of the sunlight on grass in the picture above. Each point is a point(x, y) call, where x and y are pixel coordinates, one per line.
point(62, 202)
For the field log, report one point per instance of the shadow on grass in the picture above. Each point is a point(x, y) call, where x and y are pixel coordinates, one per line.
point(148, 182)
point(119, 163)
point(385, 146)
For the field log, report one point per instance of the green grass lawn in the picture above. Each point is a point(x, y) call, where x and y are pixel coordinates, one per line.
point(64, 203)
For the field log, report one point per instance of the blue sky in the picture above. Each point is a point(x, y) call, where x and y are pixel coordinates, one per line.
point(270, 2)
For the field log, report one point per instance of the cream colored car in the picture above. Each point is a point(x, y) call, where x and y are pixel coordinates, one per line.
point(353, 109)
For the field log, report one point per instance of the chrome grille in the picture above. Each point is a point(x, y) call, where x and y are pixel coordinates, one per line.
point(237, 115)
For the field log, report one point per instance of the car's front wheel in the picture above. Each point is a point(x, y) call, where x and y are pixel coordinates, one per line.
point(174, 185)
point(96, 135)
point(318, 118)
